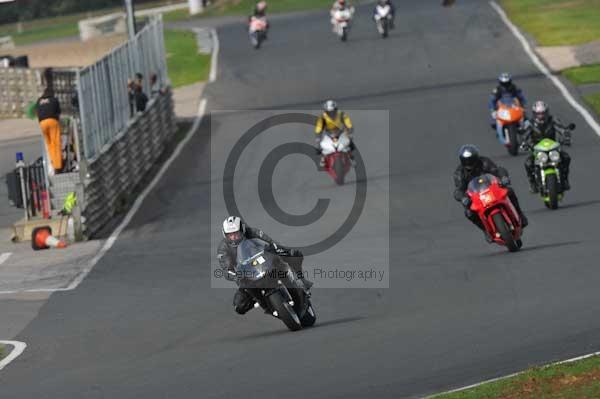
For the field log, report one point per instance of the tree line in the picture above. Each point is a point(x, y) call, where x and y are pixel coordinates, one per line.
point(25, 10)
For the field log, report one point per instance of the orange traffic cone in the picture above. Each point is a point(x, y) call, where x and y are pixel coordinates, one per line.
point(42, 238)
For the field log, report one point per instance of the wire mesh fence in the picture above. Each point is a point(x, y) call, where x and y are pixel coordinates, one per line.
point(105, 102)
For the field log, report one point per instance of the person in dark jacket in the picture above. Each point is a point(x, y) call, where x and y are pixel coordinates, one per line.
point(48, 112)
point(141, 99)
point(471, 166)
point(234, 231)
point(545, 126)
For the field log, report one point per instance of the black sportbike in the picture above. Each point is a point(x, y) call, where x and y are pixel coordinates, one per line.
point(268, 279)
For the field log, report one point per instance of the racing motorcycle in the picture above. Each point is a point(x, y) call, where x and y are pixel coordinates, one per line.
point(335, 147)
point(490, 201)
point(509, 120)
point(341, 22)
point(383, 19)
point(273, 285)
point(257, 31)
point(546, 156)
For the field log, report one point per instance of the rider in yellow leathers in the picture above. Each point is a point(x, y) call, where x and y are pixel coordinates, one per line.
point(333, 120)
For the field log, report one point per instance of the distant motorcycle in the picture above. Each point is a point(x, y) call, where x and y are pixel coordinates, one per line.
point(501, 220)
point(341, 22)
point(272, 284)
point(509, 119)
point(335, 147)
point(546, 156)
point(257, 31)
point(383, 19)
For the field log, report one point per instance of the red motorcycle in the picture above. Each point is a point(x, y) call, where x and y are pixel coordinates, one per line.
point(335, 148)
point(501, 220)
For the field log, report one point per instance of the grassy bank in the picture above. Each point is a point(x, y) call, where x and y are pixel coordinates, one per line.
point(244, 7)
point(2, 351)
point(557, 22)
point(583, 75)
point(59, 27)
point(577, 380)
point(185, 65)
point(594, 101)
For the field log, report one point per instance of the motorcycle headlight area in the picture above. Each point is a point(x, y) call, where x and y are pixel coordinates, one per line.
point(554, 156)
point(504, 115)
point(541, 158)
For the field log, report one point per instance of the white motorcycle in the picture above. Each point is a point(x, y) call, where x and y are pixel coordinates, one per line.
point(335, 148)
point(341, 22)
point(383, 19)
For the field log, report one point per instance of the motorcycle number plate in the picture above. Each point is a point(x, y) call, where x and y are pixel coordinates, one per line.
point(258, 261)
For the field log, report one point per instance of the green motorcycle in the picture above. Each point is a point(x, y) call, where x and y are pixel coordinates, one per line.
point(546, 155)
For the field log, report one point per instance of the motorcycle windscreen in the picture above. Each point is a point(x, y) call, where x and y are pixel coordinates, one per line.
point(508, 100)
point(481, 183)
point(252, 260)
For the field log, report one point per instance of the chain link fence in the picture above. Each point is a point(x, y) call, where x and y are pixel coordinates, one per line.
point(104, 99)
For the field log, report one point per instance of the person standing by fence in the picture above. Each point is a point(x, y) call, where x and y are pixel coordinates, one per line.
point(48, 112)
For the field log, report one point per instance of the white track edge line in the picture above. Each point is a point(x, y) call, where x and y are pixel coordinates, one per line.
point(18, 348)
point(540, 65)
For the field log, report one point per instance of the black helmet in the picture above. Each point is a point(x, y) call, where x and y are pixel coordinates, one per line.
point(469, 156)
point(505, 79)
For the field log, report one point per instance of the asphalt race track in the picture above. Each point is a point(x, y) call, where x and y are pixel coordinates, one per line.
point(146, 324)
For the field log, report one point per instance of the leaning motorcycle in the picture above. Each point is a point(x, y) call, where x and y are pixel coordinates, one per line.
point(273, 285)
point(335, 147)
point(341, 22)
point(490, 201)
point(509, 119)
point(383, 19)
point(257, 31)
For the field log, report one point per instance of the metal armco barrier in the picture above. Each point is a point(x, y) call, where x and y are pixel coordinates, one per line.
point(120, 167)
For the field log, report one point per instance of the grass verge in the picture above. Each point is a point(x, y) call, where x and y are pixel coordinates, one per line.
point(583, 75)
point(2, 352)
point(576, 380)
point(59, 27)
point(244, 7)
point(185, 64)
point(594, 101)
point(557, 22)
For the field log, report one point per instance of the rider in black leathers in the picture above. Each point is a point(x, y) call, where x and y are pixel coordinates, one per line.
point(227, 256)
point(473, 165)
point(544, 126)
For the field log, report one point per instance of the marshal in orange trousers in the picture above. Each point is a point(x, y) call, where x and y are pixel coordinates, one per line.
point(51, 131)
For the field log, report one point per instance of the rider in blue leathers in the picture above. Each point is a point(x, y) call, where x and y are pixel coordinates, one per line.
point(505, 88)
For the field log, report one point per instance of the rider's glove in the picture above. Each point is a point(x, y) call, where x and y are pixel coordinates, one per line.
point(466, 201)
point(230, 275)
point(504, 181)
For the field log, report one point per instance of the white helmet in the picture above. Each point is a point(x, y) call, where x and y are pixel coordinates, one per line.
point(330, 106)
point(234, 230)
point(540, 111)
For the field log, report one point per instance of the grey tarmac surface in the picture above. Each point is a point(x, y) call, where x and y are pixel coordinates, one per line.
point(146, 324)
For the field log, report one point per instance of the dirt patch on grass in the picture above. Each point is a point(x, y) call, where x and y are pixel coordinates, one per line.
point(563, 385)
point(69, 52)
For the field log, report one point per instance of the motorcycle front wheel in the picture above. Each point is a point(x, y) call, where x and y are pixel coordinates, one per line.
point(505, 232)
point(552, 189)
point(285, 312)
